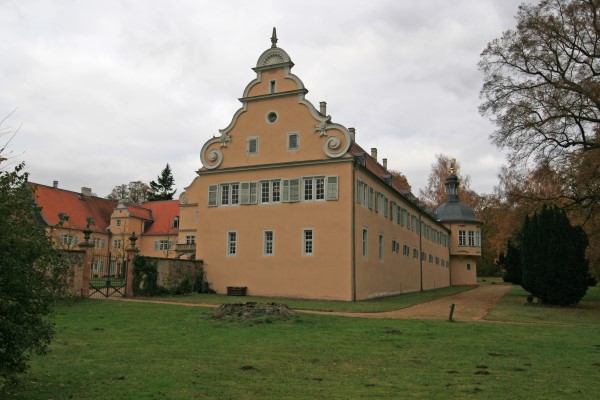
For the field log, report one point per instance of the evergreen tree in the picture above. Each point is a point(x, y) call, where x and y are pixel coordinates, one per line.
point(162, 189)
point(512, 264)
point(553, 258)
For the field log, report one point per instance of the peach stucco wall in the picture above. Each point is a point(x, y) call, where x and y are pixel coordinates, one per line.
point(397, 273)
point(325, 274)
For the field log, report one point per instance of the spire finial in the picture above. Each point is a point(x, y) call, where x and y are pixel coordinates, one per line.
point(452, 162)
point(274, 38)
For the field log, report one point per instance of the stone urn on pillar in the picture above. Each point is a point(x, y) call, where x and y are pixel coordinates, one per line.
point(132, 250)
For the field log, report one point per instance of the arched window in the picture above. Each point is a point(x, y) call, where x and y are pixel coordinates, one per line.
point(176, 222)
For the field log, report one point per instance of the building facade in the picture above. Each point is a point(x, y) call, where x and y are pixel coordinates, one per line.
point(288, 204)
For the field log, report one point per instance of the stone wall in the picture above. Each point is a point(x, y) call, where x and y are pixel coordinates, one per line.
point(172, 273)
point(74, 279)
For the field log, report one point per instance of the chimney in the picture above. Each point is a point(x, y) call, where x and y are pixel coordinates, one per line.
point(385, 163)
point(323, 107)
point(86, 192)
point(55, 184)
point(353, 134)
point(374, 153)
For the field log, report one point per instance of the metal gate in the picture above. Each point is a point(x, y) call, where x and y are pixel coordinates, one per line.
point(108, 276)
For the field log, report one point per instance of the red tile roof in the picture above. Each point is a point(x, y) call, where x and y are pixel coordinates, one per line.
point(377, 169)
point(54, 201)
point(163, 213)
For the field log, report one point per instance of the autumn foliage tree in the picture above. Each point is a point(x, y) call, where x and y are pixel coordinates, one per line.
point(542, 90)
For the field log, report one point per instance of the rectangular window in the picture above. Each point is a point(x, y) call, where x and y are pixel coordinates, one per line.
point(268, 243)
point(381, 247)
point(370, 199)
point(224, 194)
point(462, 238)
point(212, 195)
point(477, 239)
point(415, 253)
point(190, 239)
point(231, 243)
point(332, 188)
point(68, 240)
point(161, 245)
point(365, 243)
point(272, 87)
point(276, 191)
point(265, 191)
point(99, 243)
point(235, 193)
point(468, 267)
point(320, 188)
point(308, 189)
point(117, 244)
point(307, 242)
point(252, 145)
point(293, 142)
point(118, 222)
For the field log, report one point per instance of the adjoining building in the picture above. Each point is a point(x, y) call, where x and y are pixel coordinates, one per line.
point(66, 214)
point(288, 204)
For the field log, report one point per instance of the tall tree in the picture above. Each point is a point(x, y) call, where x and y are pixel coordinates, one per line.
point(162, 189)
point(541, 83)
point(134, 192)
point(435, 191)
point(553, 258)
point(31, 277)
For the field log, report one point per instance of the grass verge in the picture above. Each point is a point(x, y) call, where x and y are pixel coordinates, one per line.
point(374, 305)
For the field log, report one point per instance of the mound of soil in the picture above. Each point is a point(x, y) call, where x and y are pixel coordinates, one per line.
point(252, 310)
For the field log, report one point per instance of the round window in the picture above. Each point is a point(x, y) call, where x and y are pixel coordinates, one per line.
point(272, 117)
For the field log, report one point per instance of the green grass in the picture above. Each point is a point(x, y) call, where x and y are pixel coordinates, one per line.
point(514, 308)
point(112, 349)
point(374, 305)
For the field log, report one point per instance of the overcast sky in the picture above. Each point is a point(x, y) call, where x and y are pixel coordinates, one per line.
point(107, 92)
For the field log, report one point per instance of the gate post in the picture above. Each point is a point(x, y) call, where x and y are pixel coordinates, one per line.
point(131, 252)
point(88, 247)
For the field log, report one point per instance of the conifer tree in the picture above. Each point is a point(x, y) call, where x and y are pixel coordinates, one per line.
point(553, 258)
point(512, 264)
point(162, 189)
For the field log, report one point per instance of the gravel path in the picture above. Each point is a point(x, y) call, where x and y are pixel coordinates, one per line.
point(471, 305)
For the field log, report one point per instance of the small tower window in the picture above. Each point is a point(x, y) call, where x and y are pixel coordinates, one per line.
point(176, 222)
point(272, 87)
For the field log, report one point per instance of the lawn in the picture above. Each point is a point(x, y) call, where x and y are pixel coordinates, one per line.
point(374, 305)
point(111, 349)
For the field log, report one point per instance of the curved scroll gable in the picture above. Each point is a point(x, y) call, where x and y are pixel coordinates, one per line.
point(214, 157)
point(335, 145)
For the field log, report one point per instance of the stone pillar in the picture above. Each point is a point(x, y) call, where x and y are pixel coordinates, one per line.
point(88, 247)
point(131, 253)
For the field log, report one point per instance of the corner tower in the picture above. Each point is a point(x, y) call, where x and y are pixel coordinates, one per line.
point(465, 234)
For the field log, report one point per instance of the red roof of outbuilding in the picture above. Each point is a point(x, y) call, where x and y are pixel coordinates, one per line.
point(54, 201)
point(163, 213)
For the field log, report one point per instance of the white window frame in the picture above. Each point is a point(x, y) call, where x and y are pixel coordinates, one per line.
point(117, 244)
point(365, 243)
point(308, 243)
point(462, 238)
point(232, 242)
point(269, 243)
point(249, 140)
point(190, 239)
point(213, 196)
point(288, 141)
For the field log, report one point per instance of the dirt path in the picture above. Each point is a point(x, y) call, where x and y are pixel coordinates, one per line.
point(471, 305)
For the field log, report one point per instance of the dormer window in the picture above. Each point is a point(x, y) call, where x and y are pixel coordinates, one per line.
point(176, 222)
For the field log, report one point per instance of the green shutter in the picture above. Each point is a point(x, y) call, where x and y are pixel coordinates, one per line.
point(332, 188)
point(212, 195)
